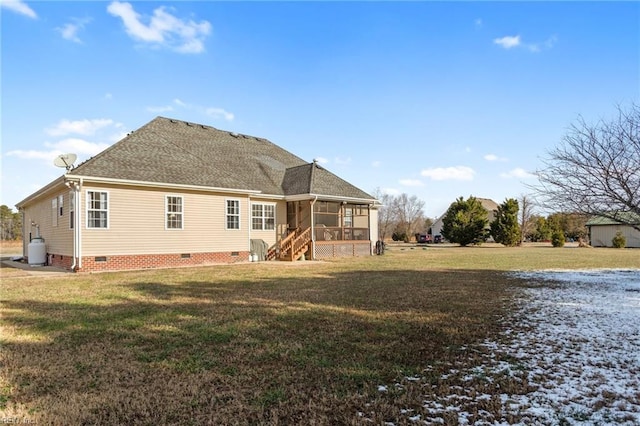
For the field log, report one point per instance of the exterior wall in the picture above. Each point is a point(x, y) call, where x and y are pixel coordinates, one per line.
point(57, 234)
point(601, 235)
point(373, 223)
point(270, 236)
point(137, 224)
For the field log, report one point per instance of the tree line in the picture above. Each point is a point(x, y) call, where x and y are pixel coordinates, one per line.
point(401, 218)
point(10, 224)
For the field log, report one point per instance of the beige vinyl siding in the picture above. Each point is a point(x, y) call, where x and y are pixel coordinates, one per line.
point(58, 238)
point(373, 231)
point(280, 231)
point(137, 223)
point(601, 235)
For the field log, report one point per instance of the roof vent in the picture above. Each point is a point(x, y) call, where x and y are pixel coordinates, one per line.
point(234, 134)
point(188, 124)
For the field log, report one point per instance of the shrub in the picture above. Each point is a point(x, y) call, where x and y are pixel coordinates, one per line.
point(619, 241)
point(400, 236)
point(557, 239)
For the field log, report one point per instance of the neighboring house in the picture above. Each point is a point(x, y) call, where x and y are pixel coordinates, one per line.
point(602, 230)
point(489, 205)
point(174, 193)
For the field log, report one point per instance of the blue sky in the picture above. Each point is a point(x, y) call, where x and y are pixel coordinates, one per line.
point(435, 99)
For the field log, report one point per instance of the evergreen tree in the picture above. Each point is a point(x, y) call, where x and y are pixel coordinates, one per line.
point(505, 228)
point(465, 222)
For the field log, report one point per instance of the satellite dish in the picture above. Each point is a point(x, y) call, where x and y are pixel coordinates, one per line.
point(65, 160)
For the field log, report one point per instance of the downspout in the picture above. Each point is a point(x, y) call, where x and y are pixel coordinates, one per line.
point(249, 225)
point(24, 235)
point(76, 227)
point(313, 231)
point(78, 224)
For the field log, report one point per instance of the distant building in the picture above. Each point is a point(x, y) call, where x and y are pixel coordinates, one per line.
point(602, 230)
point(489, 205)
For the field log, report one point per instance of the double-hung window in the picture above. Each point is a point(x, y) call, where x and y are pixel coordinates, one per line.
point(263, 216)
point(97, 209)
point(174, 212)
point(233, 214)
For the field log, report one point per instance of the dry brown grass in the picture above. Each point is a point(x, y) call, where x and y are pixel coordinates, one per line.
point(268, 343)
point(10, 247)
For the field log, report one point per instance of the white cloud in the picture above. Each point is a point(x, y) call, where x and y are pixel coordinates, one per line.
point(78, 146)
point(519, 173)
point(80, 127)
point(411, 182)
point(321, 160)
point(219, 113)
point(507, 42)
point(478, 23)
point(20, 7)
point(82, 147)
point(33, 154)
point(376, 163)
point(70, 30)
point(493, 157)
point(449, 173)
point(163, 29)
point(108, 96)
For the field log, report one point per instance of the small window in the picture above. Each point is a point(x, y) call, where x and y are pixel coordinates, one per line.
point(54, 212)
point(263, 216)
point(72, 209)
point(233, 214)
point(97, 209)
point(173, 211)
point(60, 204)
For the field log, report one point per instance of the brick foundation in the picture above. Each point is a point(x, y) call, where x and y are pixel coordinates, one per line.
point(146, 261)
point(59, 260)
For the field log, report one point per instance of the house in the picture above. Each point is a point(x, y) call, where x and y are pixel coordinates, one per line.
point(174, 193)
point(603, 229)
point(489, 205)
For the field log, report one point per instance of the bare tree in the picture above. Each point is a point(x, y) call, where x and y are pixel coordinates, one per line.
point(408, 210)
point(386, 214)
point(596, 169)
point(525, 216)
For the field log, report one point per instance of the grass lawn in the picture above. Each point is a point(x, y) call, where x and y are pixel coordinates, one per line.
point(258, 343)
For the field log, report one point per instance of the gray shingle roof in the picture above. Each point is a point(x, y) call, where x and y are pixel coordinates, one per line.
point(176, 152)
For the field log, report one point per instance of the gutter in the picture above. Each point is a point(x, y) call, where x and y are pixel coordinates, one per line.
point(303, 197)
point(94, 179)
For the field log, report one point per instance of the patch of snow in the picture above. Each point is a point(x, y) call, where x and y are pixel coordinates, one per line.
point(574, 345)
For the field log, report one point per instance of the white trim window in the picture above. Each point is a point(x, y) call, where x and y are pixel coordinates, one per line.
point(232, 214)
point(173, 212)
point(263, 217)
point(72, 209)
point(97, 209)
point(60, 204)
point(54, 211)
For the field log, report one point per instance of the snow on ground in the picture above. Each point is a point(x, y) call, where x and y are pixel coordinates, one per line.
point(580, 344)
point(573, 343)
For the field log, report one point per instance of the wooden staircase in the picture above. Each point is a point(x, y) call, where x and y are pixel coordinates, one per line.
point(292, 247)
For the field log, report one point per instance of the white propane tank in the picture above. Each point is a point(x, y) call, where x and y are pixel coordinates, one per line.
point(37, 252)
